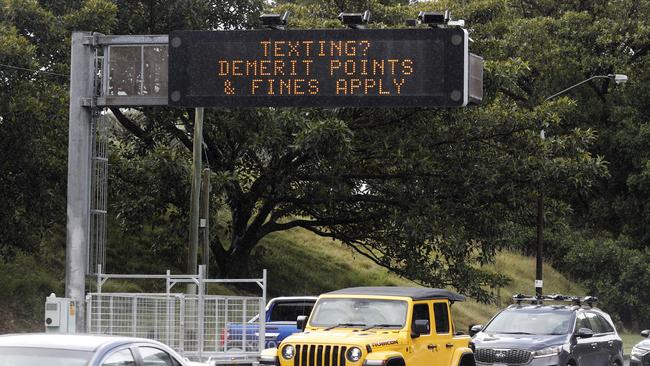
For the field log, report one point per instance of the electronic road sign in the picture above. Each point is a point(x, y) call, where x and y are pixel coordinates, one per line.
point(320, 68)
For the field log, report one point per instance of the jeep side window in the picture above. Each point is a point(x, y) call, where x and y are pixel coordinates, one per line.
point(441, 314)
point(421, 312)
point(582, 322)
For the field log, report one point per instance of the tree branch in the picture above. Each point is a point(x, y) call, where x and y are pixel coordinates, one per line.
point(132, 127)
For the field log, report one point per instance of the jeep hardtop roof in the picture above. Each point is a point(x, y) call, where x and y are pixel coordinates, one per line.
point(415, 293)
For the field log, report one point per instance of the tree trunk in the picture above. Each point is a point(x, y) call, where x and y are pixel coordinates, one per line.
point(234, 264)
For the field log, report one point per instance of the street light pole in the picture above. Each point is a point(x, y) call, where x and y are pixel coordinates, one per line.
point(618, 79)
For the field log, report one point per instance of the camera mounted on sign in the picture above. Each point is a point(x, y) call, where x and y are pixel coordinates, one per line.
point(437, 19)
point(355, 20)
point(275, 21)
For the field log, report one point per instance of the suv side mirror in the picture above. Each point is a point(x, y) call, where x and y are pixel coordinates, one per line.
point(645, 333)
point(301, 322)
point(585, 333)
point(473, 329)
point(420, 326)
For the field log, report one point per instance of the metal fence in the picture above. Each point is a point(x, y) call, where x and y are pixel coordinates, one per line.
point(195, 325)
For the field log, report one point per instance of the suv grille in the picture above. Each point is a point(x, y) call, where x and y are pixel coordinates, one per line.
point(507, 356)
point(318, 355)
point(646, 360)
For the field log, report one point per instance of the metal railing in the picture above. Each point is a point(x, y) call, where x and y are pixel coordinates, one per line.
point(195, 325)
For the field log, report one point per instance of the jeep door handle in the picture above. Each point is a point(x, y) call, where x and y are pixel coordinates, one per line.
point(449, 345)
point(432, 347)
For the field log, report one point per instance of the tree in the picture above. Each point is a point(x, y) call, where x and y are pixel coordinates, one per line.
point(429, 194)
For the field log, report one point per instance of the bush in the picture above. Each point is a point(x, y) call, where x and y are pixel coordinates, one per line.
point(24, 284)
point(613, 270)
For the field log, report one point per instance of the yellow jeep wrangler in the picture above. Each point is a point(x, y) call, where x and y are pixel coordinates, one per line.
point(376, 326)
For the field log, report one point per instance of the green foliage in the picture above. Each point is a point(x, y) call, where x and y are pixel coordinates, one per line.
point(431, 194)
point(622, 273)
point(25, 284)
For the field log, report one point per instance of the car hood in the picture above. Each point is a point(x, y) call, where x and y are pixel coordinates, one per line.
point(380, 338)
point(645, 344)
point(517, 341)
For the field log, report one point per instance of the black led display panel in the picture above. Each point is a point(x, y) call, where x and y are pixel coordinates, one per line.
point(319, 68)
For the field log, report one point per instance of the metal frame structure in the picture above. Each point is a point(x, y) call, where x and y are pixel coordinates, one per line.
point(191, 324)
point(88, 152)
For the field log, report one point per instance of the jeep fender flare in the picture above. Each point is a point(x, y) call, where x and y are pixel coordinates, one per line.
point(389, 358)
point(463, 356)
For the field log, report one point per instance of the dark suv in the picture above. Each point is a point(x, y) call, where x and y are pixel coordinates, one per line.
point(538, 334)
point(640, 355)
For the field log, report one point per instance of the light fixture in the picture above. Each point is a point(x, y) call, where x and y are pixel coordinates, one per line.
point(434, 19)
point(618, 78)
point(275, 21)
point(355, 20)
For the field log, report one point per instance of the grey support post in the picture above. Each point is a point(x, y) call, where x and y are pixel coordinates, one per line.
point(82, 70)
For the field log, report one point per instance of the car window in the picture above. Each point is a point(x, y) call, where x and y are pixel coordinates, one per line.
point(598, 323)
point(582, 322)
point(539, 321)
point(421, 312)
point(607, 327)
point(154, 357)
point(120, 358)
point(289, 311)
point(441, 314)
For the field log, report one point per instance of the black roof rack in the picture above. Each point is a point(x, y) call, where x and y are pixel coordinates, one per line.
point(539, 300)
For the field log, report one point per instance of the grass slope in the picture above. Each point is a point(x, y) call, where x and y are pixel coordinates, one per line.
point(302, 263)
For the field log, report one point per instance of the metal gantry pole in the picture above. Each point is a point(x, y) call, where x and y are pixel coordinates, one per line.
point(192, 260)
point(82, 69)
point(205, 220)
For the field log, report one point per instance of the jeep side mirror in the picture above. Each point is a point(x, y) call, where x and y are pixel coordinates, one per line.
point(645, 333)
point(585, 333)
point(473, 329)
point(420, 326)
point(301, 322)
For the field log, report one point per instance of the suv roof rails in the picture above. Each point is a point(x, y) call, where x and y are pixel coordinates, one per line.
point(539, 300)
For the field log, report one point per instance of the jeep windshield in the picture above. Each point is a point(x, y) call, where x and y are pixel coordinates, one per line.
point(531, 321)
point(336, 312)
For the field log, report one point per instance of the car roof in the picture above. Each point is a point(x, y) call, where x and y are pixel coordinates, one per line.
point(415, 293)
point(82, 342)
point(294, 299)
point(571, 308)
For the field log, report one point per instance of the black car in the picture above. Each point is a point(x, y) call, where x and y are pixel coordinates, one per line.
point(640, 355)
point(537, 334)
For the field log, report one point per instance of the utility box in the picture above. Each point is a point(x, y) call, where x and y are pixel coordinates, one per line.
point(59, 314)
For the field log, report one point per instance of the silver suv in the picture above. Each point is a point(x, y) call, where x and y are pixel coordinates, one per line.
point(548, 335)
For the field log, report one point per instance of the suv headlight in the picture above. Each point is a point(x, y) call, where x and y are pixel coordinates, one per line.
point(354, 354)
point(638, 353)
point(547, 352)
point(288, 352)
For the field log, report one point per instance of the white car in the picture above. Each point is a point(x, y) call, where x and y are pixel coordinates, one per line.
point(85, 350)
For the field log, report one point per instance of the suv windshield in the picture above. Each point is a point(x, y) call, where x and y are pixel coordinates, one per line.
point(359, 312)
point(23, 356)
point(537, 321)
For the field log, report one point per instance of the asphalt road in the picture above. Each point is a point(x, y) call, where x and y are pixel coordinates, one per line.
point(626, 362)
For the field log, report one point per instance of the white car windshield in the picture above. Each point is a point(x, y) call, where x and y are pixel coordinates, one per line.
point(359, 313)
point(24, 356)
point(518, 321)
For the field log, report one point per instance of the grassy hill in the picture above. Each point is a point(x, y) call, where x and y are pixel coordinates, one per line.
point(301, 263)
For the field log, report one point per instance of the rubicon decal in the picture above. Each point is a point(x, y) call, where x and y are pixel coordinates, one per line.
point(385, 343)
